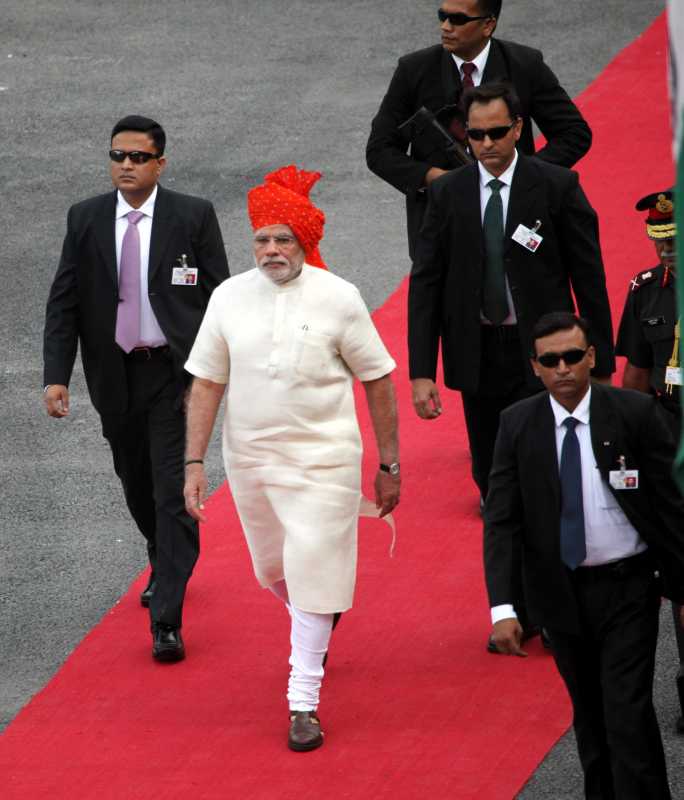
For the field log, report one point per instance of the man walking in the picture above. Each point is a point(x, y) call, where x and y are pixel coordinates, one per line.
point(649, 337)
point(122, 292)
point(504, 241)
point(436, 77)
point(581, 481)
point(285, 341)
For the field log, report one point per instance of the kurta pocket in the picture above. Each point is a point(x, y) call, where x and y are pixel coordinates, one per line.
point(313, 354)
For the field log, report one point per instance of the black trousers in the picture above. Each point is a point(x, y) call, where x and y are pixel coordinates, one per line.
point(608, 670)
point(673, 414)
point(502, 383)
point(148, 445)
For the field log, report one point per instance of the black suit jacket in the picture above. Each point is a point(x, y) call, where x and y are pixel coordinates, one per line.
point(523, 502)
point(83, 300)
point(445, 289)
point(430, 78)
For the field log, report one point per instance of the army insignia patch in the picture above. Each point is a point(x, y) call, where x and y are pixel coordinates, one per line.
point(664, 205)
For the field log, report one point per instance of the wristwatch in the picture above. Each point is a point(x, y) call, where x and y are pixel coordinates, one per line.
point(392, 468)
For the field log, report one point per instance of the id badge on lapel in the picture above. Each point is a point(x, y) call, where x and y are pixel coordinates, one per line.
point(528, 237)
point(623, 478)
point(184, 275)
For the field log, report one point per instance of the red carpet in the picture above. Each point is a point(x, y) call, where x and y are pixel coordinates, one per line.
point(412, 705)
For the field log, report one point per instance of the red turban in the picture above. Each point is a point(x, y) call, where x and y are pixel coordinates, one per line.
point(283, 199)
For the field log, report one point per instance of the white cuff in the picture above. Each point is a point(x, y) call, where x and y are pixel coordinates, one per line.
point(505, 611)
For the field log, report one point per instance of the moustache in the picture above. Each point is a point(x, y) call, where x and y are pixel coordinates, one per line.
point(274, 262)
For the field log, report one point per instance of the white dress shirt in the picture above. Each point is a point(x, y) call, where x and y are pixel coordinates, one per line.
point(609, 534)
point(480, 63)
point(151, 334)
point(485, 193)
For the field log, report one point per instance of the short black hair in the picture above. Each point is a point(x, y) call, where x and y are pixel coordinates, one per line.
point(490, 7)
point(558, 321)
point(153, 129)
point(487, 92)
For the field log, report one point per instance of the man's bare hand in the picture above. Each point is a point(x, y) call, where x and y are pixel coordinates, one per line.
point(386, 491)
point(433, 173)
point(426, 399)
point(56, 399)
point(507, 636)
point(195, 491)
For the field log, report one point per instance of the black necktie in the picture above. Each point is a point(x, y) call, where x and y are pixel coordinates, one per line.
point(494, 300)
point(573, 543)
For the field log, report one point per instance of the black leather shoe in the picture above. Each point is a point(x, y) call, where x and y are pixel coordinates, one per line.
point(305, 731)
point(148, 591)
point(167, 643)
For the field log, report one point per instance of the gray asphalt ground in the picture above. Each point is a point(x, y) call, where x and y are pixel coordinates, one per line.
point(241, 88)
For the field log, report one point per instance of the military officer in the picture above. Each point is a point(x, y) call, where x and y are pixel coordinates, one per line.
point(649, 339)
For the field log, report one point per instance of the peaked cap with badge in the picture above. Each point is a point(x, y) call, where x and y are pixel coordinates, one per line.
point(660, 222)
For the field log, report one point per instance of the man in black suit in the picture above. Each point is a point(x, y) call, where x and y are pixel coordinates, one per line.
point(435, 78)
point(582, 481)
point(137, 268)
point(504, 241)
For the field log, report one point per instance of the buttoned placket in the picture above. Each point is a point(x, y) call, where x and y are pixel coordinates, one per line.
point(279, 314)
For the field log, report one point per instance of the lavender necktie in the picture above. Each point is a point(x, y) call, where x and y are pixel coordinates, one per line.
point(128, 313)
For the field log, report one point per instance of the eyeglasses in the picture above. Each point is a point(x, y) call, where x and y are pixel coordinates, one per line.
point(458, 19)
point(280, 241)
point(136, 156)
point(478, 134)
point(570, 357)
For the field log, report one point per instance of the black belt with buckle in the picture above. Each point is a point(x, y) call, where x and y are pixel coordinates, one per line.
point(503, 333)
point(615, 569)
point(148, 353)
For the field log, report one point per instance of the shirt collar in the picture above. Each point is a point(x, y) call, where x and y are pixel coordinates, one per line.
point(581, 413)
point(505, 177)
point(147, 208)
point(480, 61)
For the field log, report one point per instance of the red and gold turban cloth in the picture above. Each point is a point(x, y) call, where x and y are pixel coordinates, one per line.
point(283, 199)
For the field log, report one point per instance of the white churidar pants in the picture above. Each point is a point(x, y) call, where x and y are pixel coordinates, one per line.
point(309, 640)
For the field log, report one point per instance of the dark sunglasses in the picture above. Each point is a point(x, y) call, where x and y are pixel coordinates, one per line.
point(478, 134)
point(458, 18)
point(573, 356)
point(136, 156)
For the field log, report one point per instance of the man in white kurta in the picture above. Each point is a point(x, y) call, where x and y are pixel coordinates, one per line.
point(287, 340)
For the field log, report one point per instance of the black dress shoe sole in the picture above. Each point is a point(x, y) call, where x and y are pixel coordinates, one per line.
point(304, 748)
point(169, 655)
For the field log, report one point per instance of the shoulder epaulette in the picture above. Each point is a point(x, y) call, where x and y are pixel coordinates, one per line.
point(642, 279)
